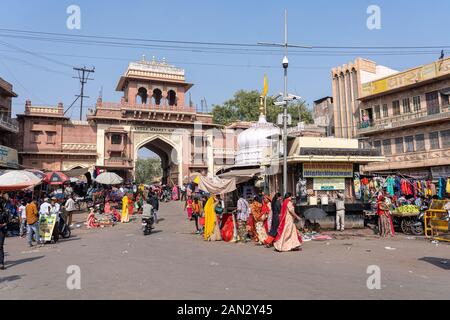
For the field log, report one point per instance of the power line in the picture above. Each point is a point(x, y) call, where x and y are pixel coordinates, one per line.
point(207, 43)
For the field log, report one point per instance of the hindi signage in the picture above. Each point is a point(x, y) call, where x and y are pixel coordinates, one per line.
point(329, 184)
point(8, 157)
point(328, 170)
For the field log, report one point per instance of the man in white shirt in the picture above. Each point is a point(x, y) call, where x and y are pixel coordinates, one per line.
point(45, 207)
point(70, 208)
point(23, 219)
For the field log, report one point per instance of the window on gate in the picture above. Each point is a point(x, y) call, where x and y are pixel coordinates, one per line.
point(420, 142)
point(396, 107)
point(116, 139)
point(409, 144)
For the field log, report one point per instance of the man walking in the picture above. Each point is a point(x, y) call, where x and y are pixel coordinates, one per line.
point(4, 219)
point(155, 205)
point(32, 222)
point(70, 208)
point(340, 212)
point(243, 212)
point(23, 219)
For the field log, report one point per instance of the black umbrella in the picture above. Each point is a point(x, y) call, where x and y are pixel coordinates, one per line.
point(315, 214)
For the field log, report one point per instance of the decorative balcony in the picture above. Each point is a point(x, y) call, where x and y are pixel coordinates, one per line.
point(119, 162)
point(8, 124)
point(404, 120)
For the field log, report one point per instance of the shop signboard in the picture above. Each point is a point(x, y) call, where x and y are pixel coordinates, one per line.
point(46, 225)
point(328, 170)
point(440, 172)
point(327, 184)
point(8, 158)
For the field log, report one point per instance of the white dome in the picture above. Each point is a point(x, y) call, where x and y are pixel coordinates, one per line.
point(253, 141)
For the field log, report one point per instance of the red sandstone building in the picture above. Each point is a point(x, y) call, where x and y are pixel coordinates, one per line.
point(152, 114)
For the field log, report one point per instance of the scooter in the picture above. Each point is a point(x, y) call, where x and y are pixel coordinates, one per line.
point(147, 224)
point(64, 229)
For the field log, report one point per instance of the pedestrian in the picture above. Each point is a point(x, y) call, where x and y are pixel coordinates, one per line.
point(70, 208)
point(55, 210)
point(219, 209)
point(243, 212)
point(212, 230)
point(340, 212)
point(32, 222)
point(125, 207)
point(23, 219)
point(196, 212)
point(288, 238)
point(276, 210)
point(155, 204)
point(188, 207)
point(259, 217)
point(385, 225)
point(183, 192)
point(4, 219)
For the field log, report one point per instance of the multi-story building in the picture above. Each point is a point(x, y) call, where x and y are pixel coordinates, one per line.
point(8, 127)
point(407, 117)
point(347, 88)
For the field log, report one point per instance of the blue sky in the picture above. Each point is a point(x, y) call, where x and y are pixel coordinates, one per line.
point(317, 23)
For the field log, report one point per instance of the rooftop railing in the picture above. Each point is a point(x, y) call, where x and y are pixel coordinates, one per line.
point(7, 123)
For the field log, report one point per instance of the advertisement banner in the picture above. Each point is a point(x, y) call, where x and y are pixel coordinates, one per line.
point(334, 184)
point(328, 170)
point(8, 158)
point(46, 225)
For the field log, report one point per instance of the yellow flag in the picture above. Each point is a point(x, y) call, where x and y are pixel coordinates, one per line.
point(266, 87)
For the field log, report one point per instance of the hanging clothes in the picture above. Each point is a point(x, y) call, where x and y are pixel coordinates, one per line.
point(448, 186)
point(390, 182)
point(441, 188)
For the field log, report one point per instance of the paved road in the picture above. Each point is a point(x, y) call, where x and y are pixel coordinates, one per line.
point(173, 263)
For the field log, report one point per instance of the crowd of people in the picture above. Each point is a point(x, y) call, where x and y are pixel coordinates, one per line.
point(265, 220)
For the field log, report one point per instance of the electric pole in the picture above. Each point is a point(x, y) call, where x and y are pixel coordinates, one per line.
point(83, 76)
point(286, 98)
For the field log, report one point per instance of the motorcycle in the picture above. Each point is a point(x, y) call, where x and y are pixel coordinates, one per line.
point(147, 225)
point(64, 229)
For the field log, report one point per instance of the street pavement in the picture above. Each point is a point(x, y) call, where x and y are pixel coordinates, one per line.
point(173, 263)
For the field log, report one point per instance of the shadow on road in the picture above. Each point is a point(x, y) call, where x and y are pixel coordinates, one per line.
point(69, 239)
point(10, 264)
point(438, 262)
point(10, 278)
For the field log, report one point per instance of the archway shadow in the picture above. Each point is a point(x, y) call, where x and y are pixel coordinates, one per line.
point(438, 262)
point(69, 239)
point(10, 264)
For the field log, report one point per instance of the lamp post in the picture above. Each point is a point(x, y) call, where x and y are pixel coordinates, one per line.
point(285, 120)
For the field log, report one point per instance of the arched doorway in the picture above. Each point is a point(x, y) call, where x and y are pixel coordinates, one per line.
point(159, 148)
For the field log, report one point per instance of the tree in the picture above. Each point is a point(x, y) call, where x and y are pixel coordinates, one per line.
point(244, 106)
point(147, 170)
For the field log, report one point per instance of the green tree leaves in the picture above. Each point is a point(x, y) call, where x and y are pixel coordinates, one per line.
point(244, 106)
point(147, 170)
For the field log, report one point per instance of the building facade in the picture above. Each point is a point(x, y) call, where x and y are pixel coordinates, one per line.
point(347, 81)
point(323, 114)
point(8, 127)
point(152, 114)
point(406, 116)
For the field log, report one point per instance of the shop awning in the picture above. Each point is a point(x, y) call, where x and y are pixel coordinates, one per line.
point(74, 173)
point(241, 175)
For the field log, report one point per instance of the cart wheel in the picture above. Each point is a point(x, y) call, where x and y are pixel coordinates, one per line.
point(406, 226)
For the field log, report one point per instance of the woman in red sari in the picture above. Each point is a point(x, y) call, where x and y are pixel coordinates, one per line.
point(288, 238)
point(385, 225)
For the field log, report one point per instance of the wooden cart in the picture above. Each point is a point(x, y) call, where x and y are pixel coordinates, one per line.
point(436, 223)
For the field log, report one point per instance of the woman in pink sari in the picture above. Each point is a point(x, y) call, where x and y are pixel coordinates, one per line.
point(175, 193)
point(288, 238)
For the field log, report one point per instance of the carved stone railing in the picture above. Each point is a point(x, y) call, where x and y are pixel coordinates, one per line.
point(79, 147)
point(143, 107)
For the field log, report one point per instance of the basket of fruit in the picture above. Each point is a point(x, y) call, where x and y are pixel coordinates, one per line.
point(406, 211)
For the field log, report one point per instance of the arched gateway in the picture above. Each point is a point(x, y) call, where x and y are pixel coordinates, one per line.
point(153, 114)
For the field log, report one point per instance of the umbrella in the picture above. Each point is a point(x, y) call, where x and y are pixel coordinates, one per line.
point(13, 180)
point(56, 178)
point(315, 214)
point(109, 178)
point(37, 173)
